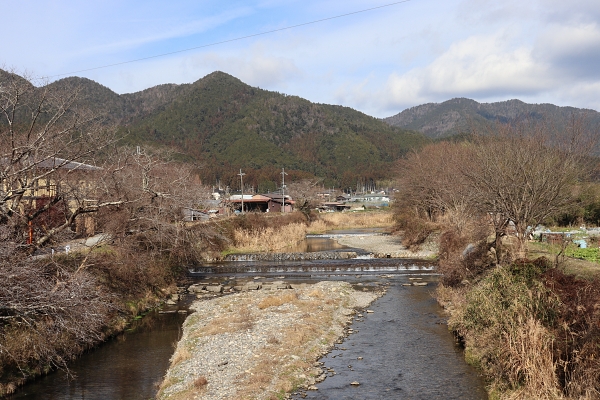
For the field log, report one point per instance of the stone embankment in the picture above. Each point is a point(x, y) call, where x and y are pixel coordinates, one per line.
point(260, 343)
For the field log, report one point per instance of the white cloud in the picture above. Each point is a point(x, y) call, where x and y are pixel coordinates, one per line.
point(574, 50)
point(255, 67)
point(479, 67)
point(173, 31)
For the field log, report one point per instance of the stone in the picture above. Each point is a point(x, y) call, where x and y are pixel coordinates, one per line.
point(251, 286)
point(312, 387)
point(214, 288)
point(355, 383)
point(370, 311)
point(196, 288)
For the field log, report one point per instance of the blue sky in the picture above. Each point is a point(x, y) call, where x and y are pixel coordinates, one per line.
point(379, 62)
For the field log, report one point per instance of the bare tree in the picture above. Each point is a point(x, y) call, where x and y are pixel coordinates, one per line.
point(523, 174)
point(304, 193)
point(510, 177)
point(46, 138)
point(433, 184)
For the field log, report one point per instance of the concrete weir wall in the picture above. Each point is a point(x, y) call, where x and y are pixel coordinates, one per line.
point(318, 255)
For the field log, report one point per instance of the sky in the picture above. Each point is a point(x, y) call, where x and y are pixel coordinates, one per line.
point(380, 62)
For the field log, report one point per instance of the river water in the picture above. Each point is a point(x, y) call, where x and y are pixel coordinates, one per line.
point(402, 350)
point(407, 351)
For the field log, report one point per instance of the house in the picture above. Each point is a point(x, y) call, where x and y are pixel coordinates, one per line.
point(333, 206)
point(47, 191)
point(271, 202)
point(372, 199)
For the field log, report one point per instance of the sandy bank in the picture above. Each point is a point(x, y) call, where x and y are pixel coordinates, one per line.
point(260, 344)
point(382, 246)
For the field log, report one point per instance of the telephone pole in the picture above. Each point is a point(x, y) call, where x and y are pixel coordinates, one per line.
point(283, 174)
point(241, 174)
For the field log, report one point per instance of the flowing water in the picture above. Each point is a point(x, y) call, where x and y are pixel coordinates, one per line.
point(402, 350)
point(407, 351)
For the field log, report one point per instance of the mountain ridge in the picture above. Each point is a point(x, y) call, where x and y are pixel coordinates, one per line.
point(461, 115)
point(222, 125)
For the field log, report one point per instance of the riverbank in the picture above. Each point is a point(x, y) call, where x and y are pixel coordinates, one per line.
point(388, 246)
point(260, 344)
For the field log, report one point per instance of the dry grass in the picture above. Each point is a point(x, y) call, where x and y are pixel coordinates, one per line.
point(530, 357)
point(276, 301)
point(241, 320)
point(316, 294)
point(200, 382)
point(375, 219)
point(318, 226)
point(269, 238)
point(180, 355)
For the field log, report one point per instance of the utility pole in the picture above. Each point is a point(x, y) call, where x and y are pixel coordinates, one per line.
point(283, 174)
point(241, 174)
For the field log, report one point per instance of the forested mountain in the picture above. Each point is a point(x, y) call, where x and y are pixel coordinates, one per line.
point(226, 125)
point(461, 115)
point(222, 125)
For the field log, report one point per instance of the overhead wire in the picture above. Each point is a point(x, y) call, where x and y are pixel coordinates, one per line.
point(228, 40)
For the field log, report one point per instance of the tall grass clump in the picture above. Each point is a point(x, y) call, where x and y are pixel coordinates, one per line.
point(371, 219)
point(269, 239)
point(532, 330)
point(506, 323)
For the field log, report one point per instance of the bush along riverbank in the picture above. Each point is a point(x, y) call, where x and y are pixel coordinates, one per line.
point(53, 309)
point(533, 331)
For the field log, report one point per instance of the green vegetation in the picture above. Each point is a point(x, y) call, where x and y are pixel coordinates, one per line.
point(225, 125)
point(588, 254)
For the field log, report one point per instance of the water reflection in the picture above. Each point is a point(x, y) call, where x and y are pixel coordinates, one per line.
point(129, 367)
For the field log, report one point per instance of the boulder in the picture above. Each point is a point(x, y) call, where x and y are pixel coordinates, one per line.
point(214, 288)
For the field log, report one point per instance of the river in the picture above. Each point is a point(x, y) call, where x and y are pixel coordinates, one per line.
point(407, 351)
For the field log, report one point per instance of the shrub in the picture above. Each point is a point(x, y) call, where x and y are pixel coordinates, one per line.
point(577, 332)
point(505, 324)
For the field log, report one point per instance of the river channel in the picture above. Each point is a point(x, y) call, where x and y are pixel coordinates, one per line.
point(404, 346)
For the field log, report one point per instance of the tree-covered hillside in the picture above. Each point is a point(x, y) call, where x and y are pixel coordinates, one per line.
point(224, 125)
point(461, 115)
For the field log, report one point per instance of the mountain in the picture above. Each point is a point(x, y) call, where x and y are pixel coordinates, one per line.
point(461, 115)
point(222, 125)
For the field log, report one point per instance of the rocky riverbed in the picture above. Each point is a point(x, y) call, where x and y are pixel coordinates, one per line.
point(261, 344)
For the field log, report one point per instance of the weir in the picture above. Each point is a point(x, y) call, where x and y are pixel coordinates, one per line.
point(353, 266)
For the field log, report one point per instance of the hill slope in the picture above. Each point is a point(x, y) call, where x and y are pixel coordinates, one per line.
point(226, 125)
point(222, 125)
point(460, 115)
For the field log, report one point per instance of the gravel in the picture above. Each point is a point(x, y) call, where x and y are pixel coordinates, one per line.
point(226, 338)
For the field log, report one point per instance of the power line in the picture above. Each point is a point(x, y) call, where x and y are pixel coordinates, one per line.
point(229, 40)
